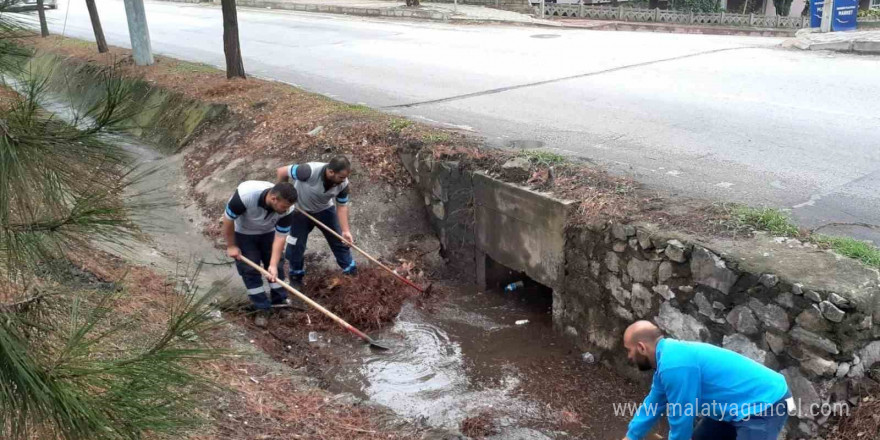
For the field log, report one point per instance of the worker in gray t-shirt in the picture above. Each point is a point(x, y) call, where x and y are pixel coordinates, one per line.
point(256, 223)
point(322, 190)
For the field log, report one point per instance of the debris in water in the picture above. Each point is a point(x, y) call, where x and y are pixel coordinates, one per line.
point(588, 357)
point(479, 426)
point(513, 286)
point(522, 322)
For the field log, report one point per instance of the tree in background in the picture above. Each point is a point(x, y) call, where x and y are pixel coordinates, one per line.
point(783, 7)
point(72, 366)
point(231, 45)
point(41, 12)
point(96, 26)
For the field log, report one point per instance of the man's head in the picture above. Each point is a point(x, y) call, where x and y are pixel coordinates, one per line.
point(281, 197)
point(338, 170)
point(640, 340)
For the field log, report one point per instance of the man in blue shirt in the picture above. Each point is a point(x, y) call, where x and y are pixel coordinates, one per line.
point(736, 397)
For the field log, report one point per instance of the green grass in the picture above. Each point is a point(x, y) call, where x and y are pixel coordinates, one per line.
point(358, 108)
point(765, 219)
point(188, 67)
point(850, 247)
point(778, 223)
point(543, 157)
point(435, 138)
point(397, 125)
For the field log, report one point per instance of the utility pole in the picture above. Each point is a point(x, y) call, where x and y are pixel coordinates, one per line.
point(139, 33)
point(96, 26)
point(827, 14)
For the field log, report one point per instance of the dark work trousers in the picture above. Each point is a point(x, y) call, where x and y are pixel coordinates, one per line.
point(764, 426)
point(299, 237)
point(258, 248)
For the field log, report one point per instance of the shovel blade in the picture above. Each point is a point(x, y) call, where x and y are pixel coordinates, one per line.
point(379, 345)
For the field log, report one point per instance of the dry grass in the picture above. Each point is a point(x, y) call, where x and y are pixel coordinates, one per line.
point(8, 98)
point(264, 404)
point(479, 426)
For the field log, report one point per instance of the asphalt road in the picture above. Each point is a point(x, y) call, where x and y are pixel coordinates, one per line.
point(727, 118)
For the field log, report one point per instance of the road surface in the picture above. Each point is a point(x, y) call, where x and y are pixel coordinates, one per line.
point(721, 117)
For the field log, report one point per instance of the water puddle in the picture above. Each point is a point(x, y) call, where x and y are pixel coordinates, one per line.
point(465, 357)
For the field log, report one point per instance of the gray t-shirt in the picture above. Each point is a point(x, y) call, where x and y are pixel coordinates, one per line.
point(247, 207)
point(314, 192)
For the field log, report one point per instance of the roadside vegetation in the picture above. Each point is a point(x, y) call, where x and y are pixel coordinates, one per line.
point(779, 223)
point(75, 364)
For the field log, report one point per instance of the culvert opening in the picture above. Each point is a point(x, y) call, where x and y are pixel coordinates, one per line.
point(534, 296)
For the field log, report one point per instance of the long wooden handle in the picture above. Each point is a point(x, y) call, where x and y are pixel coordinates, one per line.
point(363, 252)
point(308, 301)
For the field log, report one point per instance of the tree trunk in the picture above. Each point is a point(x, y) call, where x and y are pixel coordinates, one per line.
point(96, 26)
point(44, 28)
point(231, 47)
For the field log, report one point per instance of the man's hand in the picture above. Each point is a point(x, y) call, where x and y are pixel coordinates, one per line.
point(233, 252)
point(273, 274)
point(347, 235)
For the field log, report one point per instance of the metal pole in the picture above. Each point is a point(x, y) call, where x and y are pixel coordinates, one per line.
point(455, 6)
point(139, 33)
point(542, 9)
point(827, 13)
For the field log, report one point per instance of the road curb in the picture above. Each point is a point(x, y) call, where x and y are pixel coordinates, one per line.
point(681, 29)
point(345, 10)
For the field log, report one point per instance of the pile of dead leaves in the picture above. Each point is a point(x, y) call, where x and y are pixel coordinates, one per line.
point(369, 300)
point(479, 426)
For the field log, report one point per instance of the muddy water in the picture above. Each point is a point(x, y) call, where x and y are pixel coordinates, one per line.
point(468, 356)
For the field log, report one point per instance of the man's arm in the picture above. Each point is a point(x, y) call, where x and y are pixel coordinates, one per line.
point(277, 248)
point(234, 208)
point(342, 213)
point(283, 173)
point(649, 411)
point(682, 386)
point(232, 249)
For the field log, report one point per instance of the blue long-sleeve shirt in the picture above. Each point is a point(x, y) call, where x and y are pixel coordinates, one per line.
point(696, 379)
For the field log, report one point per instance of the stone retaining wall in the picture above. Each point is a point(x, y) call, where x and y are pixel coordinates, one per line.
point(800, 310)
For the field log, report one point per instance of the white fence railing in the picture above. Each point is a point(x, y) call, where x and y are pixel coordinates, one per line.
point(621, 13)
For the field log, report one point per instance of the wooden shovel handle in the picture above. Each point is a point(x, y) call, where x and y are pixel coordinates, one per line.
point(308, 301)
point(363, 252)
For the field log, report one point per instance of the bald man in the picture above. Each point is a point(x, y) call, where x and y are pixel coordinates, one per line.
point(736, 397)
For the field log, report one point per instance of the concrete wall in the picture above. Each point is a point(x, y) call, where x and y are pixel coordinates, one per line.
point(163, 118)
point(521, 229)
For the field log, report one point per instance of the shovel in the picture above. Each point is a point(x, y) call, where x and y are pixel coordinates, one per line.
point(364, 253)
point(307, 300)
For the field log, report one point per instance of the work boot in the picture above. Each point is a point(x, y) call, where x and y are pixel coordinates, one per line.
point(261, 319)
point(297, 283)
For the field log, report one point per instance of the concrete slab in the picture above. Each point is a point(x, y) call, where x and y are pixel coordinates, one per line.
point(521, 229)
point(869, 47)
point(840, 46)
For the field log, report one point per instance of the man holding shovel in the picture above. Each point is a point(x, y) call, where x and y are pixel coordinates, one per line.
point(257, 220)
point(323, 194)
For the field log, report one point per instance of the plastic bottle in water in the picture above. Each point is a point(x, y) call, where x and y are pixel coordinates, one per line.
point(513, 286)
